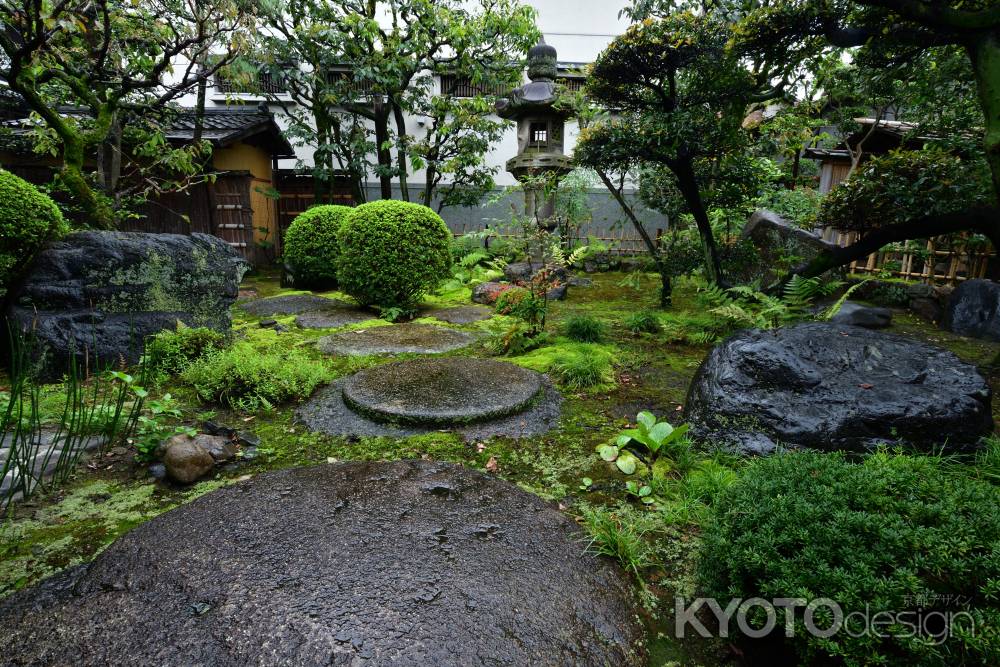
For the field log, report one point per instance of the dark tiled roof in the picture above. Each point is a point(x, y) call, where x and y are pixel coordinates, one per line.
point(226, 126)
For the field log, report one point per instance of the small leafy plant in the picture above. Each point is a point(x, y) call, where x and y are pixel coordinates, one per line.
point(152, 430)
point(647, 444)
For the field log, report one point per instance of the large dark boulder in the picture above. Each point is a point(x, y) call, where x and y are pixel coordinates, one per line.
point(832, 387)
point(974, 310)
point(358, 563)
point(100, 294)
point(777, 240)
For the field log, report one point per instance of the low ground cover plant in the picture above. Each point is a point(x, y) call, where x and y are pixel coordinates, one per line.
point(584, 329)
point(170, 352)
point(890, 534)
point(251, 377)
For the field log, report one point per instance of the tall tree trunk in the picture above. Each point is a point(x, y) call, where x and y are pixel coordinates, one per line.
point(404, 189)
point(96, 207)
point(428, 193)
point(666, 288)
point(688, 186)
point(984, 53)
point(382, 149)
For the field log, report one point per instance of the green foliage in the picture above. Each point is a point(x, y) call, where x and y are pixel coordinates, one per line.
point(170, 352)
point(311, 248)
point(643, 321)
point(152, 429)
point(250, 377)
point(472, 268)
point(616, 537)
point(28, 220)
point(575, 366)
point(892, 533)
point(584, 329)
point(520, 302)
point(643, 446)
point(799, 206)
point(906, 185)
point(392, 252)
point(508, 335)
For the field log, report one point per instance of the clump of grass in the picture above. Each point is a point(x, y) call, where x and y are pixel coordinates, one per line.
point(643, 321)
point(584, 329)
point(575, 366)
point(615, 537)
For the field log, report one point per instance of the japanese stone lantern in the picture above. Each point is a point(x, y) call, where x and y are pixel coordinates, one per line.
point(540, 133)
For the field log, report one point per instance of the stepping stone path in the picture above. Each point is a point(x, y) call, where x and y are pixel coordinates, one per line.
point(441, 391)
point(333, 319)
point(292, 304)
point(395, 339)
point(460, 314)
point(478, 398)
point(408, 563)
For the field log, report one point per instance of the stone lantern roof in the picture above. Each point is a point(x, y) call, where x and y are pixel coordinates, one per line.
point(540, 93)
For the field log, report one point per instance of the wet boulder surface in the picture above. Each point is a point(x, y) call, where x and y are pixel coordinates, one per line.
point(836, 387)
point(403, 563)
point(100, 294)
point(974, 310)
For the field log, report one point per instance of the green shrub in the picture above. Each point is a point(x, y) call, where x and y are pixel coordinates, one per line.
point(584, 329)
point(28, 220)
point(890, 534)
point(311, 247)
point(521, 303)
point(250, 377)
point(799, 206)
point(170, 352)
point(391, 252)
point(644, 321)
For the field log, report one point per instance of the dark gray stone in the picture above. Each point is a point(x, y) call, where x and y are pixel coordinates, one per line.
point(358, 563)
point(292, 304)
point(186, 460)
point(833, 387)
point(103, 293)
point(220, 448)
point(929, 309)
point(460, 314)
point(974, 310)
point(869, 317)
point(395, 339)
point(247, 439)
point(327, 413)
point(441, 392)
point(158, 471)
point(557, 293)
point(777, 239)
point(518, 271)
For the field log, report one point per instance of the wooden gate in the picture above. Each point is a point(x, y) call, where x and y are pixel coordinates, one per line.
point(233, 215)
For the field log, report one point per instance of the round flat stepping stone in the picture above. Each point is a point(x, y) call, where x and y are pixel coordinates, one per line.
point(333, 319)
point(395, 339)
point(459, 390)
point(326, 412)
point(291, 304)
point(355, 563)
point(460, 314)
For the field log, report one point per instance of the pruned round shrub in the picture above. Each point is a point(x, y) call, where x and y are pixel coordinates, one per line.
point(251, 377)
point(170, 352)
point(890, 534)
point(584, 329)
point(311, 247)
point(28, 220)
point(391, 252)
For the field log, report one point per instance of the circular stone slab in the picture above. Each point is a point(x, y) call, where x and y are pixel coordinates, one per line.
point(291, 304)
point(395, 339)
point(457, 390)
point(356, 563)
point(460, 314)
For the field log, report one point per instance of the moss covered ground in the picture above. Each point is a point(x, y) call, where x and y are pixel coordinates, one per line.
point(651, 372)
